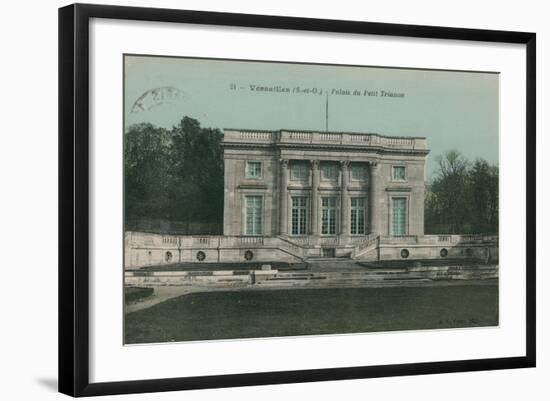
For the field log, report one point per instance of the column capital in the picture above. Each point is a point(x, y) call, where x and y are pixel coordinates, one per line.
point(344, 164)
point(373, 163)
point(315, 164)
point(284, 163)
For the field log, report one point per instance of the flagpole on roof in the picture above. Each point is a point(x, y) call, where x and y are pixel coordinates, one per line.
point(326, 114)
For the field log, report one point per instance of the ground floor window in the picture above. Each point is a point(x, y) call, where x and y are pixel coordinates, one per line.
point(254, 220)
point(299, 215)
point(358, 215)
point(328, 223)
point(399, 218)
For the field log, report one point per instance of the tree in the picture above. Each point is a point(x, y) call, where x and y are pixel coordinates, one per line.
point(174, 175)
point(448, 196)
point(484, 196)
point(463, 197)
point(197, 165)
point(146, 171)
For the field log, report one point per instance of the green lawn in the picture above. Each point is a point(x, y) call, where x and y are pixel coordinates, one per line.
point(272, 313)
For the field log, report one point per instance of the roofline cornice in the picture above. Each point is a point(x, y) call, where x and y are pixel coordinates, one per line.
point(298, 146)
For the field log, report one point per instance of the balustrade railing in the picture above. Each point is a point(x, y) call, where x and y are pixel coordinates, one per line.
point(360, 138)
point(300, 136)
point(399, 239)
point(440, 239)
point(386, 140)
point(370, 240)
point(256, 135)
point(353, 139)
point(330, 137)
point(329, 240)
point(304, 241)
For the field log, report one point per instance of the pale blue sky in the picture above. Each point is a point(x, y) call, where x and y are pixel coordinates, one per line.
point(454, 110)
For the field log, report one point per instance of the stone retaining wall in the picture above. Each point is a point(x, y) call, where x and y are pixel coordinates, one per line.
point(147, 249)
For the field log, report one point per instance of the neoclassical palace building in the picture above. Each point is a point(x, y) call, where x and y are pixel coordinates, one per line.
point(323, 188)
point(298, 195)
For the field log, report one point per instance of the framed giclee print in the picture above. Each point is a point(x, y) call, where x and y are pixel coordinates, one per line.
point(250, 199)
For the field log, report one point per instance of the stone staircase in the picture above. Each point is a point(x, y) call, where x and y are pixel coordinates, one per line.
point(368, 249)
point(310, 249)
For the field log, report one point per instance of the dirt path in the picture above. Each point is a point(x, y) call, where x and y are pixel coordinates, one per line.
point(160, 294)
point(165, 293)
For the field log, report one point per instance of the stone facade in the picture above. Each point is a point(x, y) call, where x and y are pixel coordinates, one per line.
point(330, 165)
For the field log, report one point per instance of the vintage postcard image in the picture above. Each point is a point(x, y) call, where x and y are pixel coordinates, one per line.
point(266, 199)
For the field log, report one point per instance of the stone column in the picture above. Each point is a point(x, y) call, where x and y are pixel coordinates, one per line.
point(315, 180)
point(374, 198)
point(345, 201)
point(283, 193)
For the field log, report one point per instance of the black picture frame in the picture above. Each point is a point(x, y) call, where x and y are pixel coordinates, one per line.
point(74, 198)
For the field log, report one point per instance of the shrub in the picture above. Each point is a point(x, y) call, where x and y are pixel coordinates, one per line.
point(132, 294)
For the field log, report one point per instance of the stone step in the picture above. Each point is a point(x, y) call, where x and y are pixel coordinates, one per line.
point(341, 283)
point(391, 275)
point(350, 278)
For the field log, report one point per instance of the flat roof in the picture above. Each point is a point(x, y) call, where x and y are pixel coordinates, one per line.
point(322, 132)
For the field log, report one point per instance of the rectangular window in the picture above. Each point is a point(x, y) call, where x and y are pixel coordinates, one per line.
point(358, 206)
point(254, 170)
point(399, 219)
point(328, 222)
point(299, 215)
point(359, 172)
point(254, 216)
point(299, 171)
point(399, 173)
point(329, 171)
